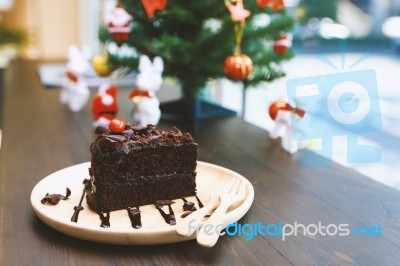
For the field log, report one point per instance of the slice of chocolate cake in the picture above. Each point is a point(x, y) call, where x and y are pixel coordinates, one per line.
point(139, 166)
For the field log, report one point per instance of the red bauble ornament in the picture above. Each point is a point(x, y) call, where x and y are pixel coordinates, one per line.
point(118, 24)
point(238, 67)
point(282, 43)
point(277, 106)
point(117, 125)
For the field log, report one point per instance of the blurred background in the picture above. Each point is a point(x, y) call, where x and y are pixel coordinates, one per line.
point(53, 25)
point(44, 29)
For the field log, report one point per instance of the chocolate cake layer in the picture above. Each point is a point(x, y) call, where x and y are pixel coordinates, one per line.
point(140, 166)
point(141, 191)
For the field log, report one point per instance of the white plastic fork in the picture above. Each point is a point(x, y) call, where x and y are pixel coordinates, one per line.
point(228, 196)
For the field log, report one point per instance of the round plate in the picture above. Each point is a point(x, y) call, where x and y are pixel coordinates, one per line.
point(154, 229)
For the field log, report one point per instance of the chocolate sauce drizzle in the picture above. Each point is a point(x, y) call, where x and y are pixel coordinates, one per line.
point(105, 219)
point(78, 208)
point(185, 214)
point(199, 202)
point(170, 217)
point(134, 215)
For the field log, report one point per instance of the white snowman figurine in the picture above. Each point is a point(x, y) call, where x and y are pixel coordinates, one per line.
point(75, 92)
point(149, 80)
point(285, 117)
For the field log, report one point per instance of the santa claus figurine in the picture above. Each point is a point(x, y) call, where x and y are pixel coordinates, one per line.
point(284, 114)
point(118, 23)
point(104, 105)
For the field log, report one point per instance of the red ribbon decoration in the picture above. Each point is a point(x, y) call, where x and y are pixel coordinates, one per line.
point(71, 76)
point(298, 111)
point(136, 93)
point(275, 5)
point(151, 6)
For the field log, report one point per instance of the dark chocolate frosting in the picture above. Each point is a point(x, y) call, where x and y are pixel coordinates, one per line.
point(134, 137)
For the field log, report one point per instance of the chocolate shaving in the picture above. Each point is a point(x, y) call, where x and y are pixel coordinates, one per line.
point(185, 214)
point(117, 137)
point(189, 206)
point(101, 130)
point(54, 199)
point(170, 135)
point(128, 133)
point(177, 132)
point(187, 138)
point(128, 126)
point(139, 130)
point(109, 143)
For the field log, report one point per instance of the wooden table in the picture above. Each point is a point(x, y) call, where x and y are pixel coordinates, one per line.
point(41, 136)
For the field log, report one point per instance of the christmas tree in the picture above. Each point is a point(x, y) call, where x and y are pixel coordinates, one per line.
point(195, 37)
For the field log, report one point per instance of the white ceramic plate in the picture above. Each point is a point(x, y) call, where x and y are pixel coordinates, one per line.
point(154, 229)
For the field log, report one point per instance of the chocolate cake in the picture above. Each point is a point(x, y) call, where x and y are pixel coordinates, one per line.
point(140, 166)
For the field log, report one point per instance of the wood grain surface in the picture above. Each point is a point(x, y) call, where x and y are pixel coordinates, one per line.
point(41, 136)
